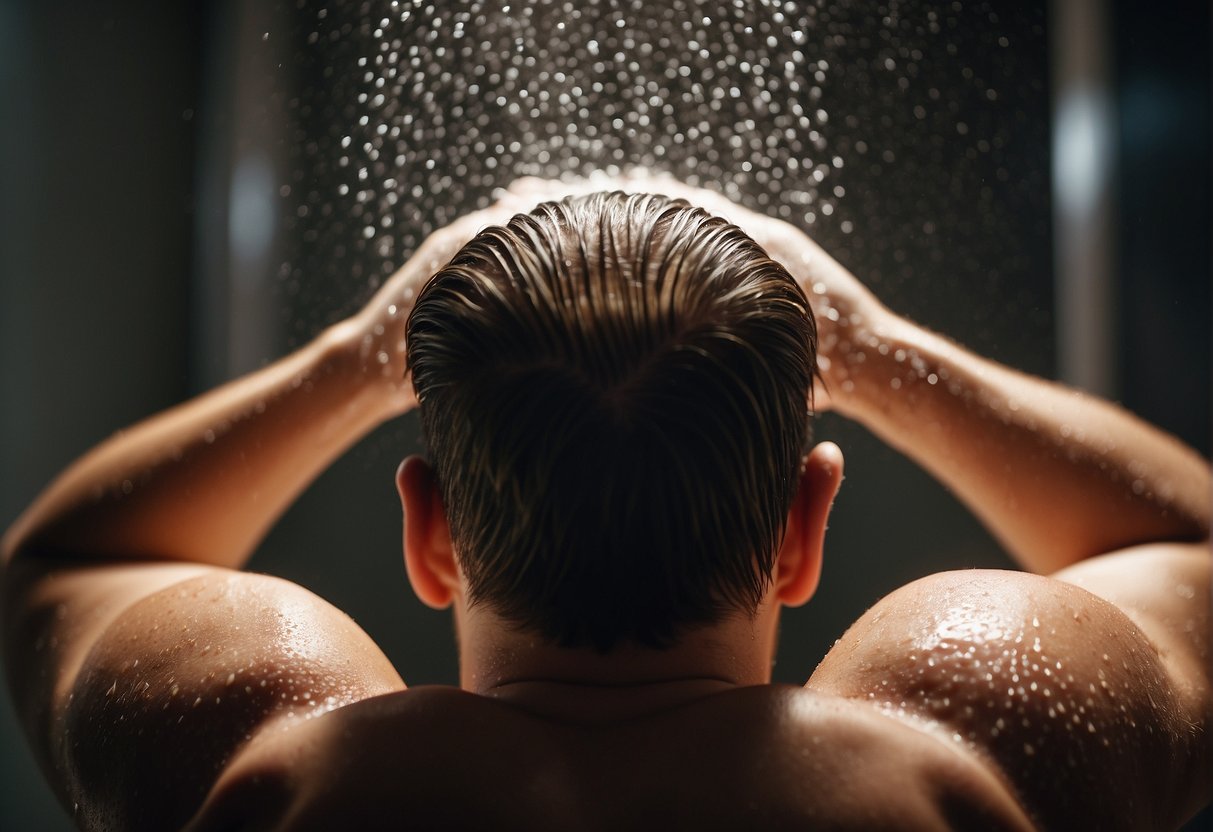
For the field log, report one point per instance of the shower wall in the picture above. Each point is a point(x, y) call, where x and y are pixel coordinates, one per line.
point(98, 109)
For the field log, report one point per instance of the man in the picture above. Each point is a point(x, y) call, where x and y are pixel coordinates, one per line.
point(614, 389)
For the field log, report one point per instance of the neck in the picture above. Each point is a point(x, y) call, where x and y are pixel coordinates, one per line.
point(523, 669)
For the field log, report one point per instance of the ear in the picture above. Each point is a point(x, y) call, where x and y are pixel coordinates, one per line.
point(429, 556)
point(798, 569)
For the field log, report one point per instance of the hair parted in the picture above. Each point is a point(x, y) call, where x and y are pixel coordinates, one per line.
point(614, 390)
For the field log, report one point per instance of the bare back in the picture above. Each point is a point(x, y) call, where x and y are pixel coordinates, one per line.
point(759, 757)
point(972, 699)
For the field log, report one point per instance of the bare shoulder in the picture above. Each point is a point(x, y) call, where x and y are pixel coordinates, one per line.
point(1055, 688)
point(185, 676)
point(856, 767)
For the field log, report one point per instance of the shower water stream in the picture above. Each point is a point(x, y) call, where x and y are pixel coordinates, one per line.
point(898, 134)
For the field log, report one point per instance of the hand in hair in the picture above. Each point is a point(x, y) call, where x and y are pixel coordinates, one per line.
point(847, 313)
point(379, 327)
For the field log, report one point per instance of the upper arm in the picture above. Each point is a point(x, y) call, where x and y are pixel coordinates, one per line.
point(151, 699)
point(1165, 590)
point(1083, 714)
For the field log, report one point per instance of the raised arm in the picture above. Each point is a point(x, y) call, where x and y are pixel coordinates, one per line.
point(204, 481)
point(140, 662)
point(1057, 475)
point(1091, 692)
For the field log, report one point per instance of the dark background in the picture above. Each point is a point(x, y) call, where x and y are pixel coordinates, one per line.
point(126, 134)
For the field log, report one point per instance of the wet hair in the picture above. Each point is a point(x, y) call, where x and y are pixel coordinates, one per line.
point(614, 391)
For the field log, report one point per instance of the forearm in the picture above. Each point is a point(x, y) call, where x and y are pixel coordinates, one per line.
point(204, 481)
point(1057, 475)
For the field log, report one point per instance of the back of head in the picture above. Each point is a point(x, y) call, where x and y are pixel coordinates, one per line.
point(614, 391)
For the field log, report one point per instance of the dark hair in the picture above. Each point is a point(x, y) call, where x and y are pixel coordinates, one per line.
point(614, 390)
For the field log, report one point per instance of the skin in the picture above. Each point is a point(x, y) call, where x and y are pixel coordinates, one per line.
point(162, 687)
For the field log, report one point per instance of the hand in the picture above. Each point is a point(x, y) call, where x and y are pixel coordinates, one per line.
point(844, 309)
point(376, 334)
